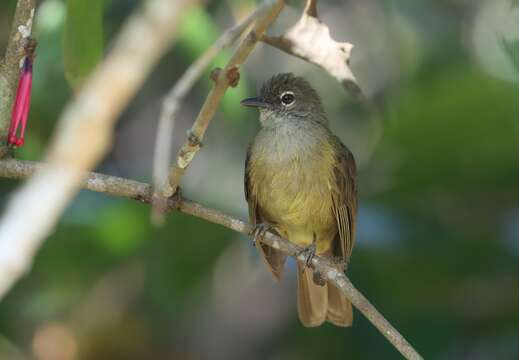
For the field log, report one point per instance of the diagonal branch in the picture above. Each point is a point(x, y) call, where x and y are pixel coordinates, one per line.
point(309, 39)
point(10, 65)
point(229, 76)
point(117, 186)
point(171, 105)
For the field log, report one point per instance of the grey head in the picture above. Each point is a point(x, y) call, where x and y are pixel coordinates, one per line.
point(285, 97)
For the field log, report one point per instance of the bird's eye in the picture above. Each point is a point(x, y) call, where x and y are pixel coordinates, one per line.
point(287, 98)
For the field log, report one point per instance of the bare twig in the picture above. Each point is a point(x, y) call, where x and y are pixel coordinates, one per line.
point(84, 133)
point(309, 39)
point(10, 65)
point(311, 8)
point(171, 105)
point(111, 185)
point(117, 186)
point(229, 76)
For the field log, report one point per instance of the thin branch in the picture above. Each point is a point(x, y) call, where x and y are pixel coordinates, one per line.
point(84, 134)
point(116, 186)
point(10, 65)
point(111, 185)
point(311, 8)
point(229, 76)
point(171, 105)
point(309, 39)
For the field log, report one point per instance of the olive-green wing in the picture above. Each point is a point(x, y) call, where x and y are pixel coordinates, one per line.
point(274, 259)
point(249, 196)
point(344, 197)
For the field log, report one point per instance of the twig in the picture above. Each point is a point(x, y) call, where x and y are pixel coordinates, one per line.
point(309, 39)
point(116, 186)
point(229, 76)
point(84, 133)
point(311, 8)
point(111, 185)
point(171, 105)
point(10, 65)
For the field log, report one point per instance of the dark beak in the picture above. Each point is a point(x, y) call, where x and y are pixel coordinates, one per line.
point(254, 102)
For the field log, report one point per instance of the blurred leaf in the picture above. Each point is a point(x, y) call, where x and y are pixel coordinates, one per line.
point(198, 30)
point(82, 39)
point(454, 134)
point(184, 251)
point(121, 229)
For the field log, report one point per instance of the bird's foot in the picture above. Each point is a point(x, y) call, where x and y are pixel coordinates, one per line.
point(258, 232)
point(318, 279)
point(308, 254)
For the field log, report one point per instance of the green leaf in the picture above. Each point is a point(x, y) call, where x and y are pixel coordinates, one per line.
point(198, 30)
point(82, 39)
point(121, 228)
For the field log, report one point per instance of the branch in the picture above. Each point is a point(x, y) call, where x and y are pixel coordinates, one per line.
point(116, 186)
point(311, 8)
point(229, 76)
point(309, 39)
point(171, 105)
point(10, 65)
point(84, 133)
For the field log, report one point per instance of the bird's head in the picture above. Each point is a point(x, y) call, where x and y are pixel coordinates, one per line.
point(287, 97)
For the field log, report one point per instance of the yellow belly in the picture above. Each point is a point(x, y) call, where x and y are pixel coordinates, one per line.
point(296, 198)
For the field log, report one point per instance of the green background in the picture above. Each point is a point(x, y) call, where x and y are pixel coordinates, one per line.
point(437, 247)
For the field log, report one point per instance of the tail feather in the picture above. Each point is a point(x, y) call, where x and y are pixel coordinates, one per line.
point(312, 299)
point(318, 303)
point(274, 259)
point(340, 312)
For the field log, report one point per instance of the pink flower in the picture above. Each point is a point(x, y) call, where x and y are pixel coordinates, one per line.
point(22, 102)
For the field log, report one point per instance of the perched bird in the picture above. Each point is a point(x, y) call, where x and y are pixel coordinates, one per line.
point(300, 184)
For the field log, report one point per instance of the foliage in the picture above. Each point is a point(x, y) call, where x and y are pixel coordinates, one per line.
point(437, 249)
point(82, 39)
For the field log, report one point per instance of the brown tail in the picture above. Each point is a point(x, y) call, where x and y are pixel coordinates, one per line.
point(340, 312)
point(274, 259)
point(316, 303)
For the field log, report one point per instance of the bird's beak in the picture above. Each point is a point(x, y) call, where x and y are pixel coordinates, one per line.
point(254, 102)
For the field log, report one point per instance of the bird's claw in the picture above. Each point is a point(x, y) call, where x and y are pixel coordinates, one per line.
point(258, 232)
point(308, 253)
point(318, 279)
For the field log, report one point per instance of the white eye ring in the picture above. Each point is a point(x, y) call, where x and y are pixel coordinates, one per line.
point(287, 98)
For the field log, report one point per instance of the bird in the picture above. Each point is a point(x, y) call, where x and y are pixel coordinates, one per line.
point(300, 183)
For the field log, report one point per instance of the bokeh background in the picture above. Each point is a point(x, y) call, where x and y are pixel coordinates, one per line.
point(438, 237)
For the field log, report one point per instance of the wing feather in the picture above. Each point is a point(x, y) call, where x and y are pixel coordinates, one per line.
point(274, 259)
point(344, 198)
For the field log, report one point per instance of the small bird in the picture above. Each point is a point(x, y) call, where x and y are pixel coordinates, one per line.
point(300, 184)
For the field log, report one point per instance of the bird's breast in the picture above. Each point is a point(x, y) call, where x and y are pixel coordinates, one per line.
point(290, 172)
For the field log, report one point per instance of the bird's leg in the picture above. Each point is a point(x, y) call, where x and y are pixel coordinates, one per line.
point(258, 232)
point(309, 252)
